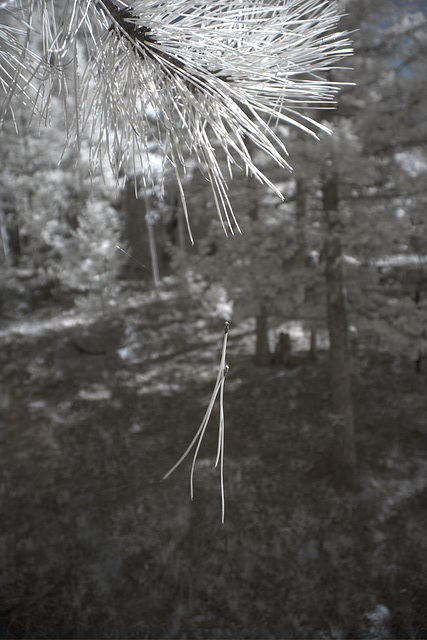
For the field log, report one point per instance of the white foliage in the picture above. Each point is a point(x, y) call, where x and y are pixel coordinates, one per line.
point(188, 74)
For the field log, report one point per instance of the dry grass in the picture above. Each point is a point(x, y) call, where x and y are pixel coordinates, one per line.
point(93, 545)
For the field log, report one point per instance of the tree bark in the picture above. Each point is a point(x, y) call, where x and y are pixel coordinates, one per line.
point(176, 227)
point(262, 348)
point(150, 222)
point(340, 357)
point(300, 222)
point(134, 233)
point(9, 234)
point(5, 237)
point(313, 344)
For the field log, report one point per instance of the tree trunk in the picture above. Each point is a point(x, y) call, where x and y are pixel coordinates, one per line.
point(300, 223)
point(150, 222)
point(313, 344)
point(176, 227)
point(340, 358)
point(182, 230)
point(9, 233)
point(5, 237)
point(134, 233)
point(262, 348)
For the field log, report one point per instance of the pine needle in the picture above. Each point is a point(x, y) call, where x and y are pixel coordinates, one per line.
point(187, 75)
point(198, 438)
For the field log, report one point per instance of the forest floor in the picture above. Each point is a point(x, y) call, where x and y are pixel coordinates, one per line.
point(93, 545)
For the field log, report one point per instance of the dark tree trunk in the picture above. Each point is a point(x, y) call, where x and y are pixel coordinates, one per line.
point(262, 348)
point(313, 344)
point(135, 233)
point(263, 356)
point(300, 223)
point(340, 358)
point(9, 235)
point(143, 236)
point(14, 238)
point(5, 238)
point(305, 291)
point(419, 358)
point(300, 256)
point(182, 230)
point(176, 228)
point(150, 222)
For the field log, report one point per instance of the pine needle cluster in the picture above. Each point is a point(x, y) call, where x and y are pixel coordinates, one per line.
point(188, 75)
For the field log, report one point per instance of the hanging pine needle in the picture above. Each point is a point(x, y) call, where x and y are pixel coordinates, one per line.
point(198, 438)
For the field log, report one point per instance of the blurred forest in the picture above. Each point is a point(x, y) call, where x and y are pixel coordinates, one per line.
point(110, 333)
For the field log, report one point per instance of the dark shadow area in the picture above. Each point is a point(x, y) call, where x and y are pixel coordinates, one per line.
point(94, 545)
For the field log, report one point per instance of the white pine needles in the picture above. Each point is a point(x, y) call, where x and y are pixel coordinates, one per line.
point(219, 387)
point(187, 74)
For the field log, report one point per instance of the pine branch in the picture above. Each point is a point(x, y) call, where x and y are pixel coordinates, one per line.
point(184, 75)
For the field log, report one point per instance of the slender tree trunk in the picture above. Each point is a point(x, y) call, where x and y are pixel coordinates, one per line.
point(313, 344)
point(134, 233)
point(340, 358)
point(182, 230)
point(417, 300)
point(3, 230)
point(300, 223)
point(176, 227)
point(263, 356)
point(5, 237)
point(150, 222)
point(9, 233)
point(262, 348)
point(301, 258)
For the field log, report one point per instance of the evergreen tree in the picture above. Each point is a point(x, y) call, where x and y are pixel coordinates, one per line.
point(67, 227)
point(384, 199)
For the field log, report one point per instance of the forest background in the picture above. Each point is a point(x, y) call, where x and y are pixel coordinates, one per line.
point(111, 325)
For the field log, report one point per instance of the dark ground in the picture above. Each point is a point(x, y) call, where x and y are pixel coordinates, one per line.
point(94, 546)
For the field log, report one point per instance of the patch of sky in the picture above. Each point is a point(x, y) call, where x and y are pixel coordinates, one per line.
point(412, 162)
point(393, 21)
